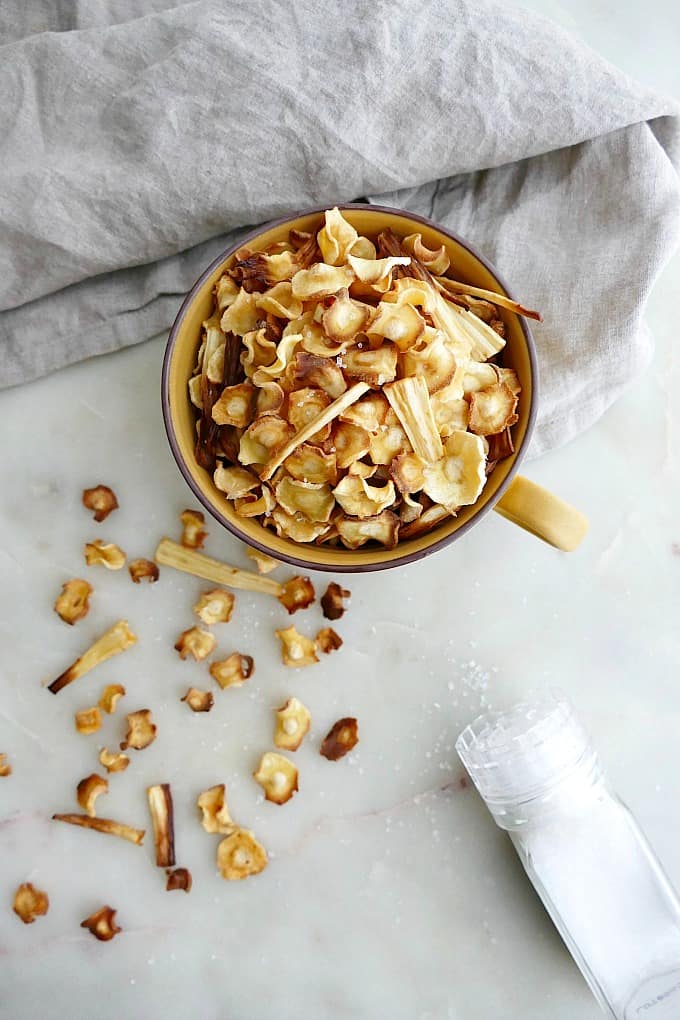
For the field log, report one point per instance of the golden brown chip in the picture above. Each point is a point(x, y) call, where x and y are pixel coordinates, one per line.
point(215, 817)
point(321, 281)
point(433, 359)
point(336, 238)
point(400, 323)
point(254, 506)
point(265, 563)
point(450, 411)
point(359, 498)
point(143, 570)
point(328, 641)
point(196, 642)
point(198, 701)
point(407, 472)
point(215, 606)
point(235, 406)
point(101, 499)
point(226, 292)
point(351, 442)
point(193, 533)
point(88, 790)
point(410, 509)
point(363, 248)
point(436, 261)
point(254, 269)
point(5, 767)
point(375, 367)
point(261, 439)
point(510, 378)
point(459, 477)
point(333, 601)
point(233, 671)
point(500, 446)
point(345, 317)
point(384, 529)
point(270, 398)
point(74, 602)
point(369, 412)
point(361, 469)
point(259, 350)
point(312, 371)
point(340, 739)
point(240, 856)
point(141, 731)
point(102, 924)
point(285, 352)
point(296, 650)
point(113, 641)
point(388, 442)
point(242, 315)
point(313, 500)
point(113, 761)
point(279, 301)
point(310, 464)
point(292, 724)
point(30, 903)
point(108, 554)
point(411, 403)
point(297, 527)
point(304, 406)
point(163, 821)
point(88, 720)
point(179, 878)
point(478, 376)
point(425, 522)
point(492, 410)
point(110, 697)
point(277, 776)
point(235, 482)
point(376, 271)
point(298, 593)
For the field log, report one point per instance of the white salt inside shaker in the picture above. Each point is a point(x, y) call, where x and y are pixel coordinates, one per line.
point(595, 872)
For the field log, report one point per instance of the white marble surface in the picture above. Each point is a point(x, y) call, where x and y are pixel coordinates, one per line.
point(390, 893)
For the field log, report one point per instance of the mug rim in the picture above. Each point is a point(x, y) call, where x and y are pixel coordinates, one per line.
point(406, 558)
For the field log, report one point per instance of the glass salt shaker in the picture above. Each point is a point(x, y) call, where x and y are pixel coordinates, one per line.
point(597, 875)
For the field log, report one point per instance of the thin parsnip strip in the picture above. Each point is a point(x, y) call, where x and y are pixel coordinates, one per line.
point(106, 825)
point(162, 818)
point(444, 285)
point(171, 554)
point(113, 641)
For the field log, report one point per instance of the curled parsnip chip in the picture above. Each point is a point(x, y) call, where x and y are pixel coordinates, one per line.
point(433, 359)
point(253, 506)
point(296, 650)
point(5, 767)
point(196, 642)
point(116, 639)
point(410, 509)
point(336, 238)
point(260, 350)
point(143, 570)
point(88, 790)
point(304, 406)
point(197, 700)
point(425, 521)
point(321, 281)
point(277, 776)
point(328, 641)
point(375, 367)
point(360, 499)
point(298, 593)
point(265, 563)
point(108, 554)
point(141, 731)
point(241, 316)
point(193, 529)
point(333, 601)
point(110, 697)
point(500, 446)
point(361, 469)
point(492, 410)
point(285, 351)
point(105, 825)
point(363, 248)
point(113, 761)
point(369, 412)
point(408, 291)
point(345, 317)
point(226, 292)
point(30, 903)
point(214, 365)
point(296, 527)
point(388, 442)
point(407, 472)
point(74, 602)
point(179, 878)
point(102, 924)
point(215, 606)
point(376, 271)
point(280, 301)
point(450, 411)
point(233, 671)
point(163, 821)
point(102, 500)
point(265, 436)
point(478, 376)
point(240, 855)
point(399, 323)
point(310, 370)
point(410, 401)
point(459, 477)
point(195, 394)
point(313, 500)
point(235, 482)
point(270, 398)
point(215, 817)
point(340, 739)
point(510, 378)
point(292, 724)
point(264, 269)
point(235, 406)
point(384, 529)
point(310, 464)
point(437, 261)
point(351, 442)
point(88, 720)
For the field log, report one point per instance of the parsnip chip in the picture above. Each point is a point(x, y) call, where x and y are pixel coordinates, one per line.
point(492, 410)
point(195, 642)
point(101, 500)
point(340, 739)
point(277, 776)
point(345, 317)
point(298, 593)
point(310, 464)
point(369, 412)
point(88, 720)
point(110, 697)
point(321, 281)
point(235, 405)
point(292, 725)
point(280, 301)
point(141, 731)
point(102, 924)
point(478, 376)
point(410, 509)
point(433, 359)
point(242, 315)
point(88, 790)
point(510, 378)
point(376, 270)
point(195, 392)
point(410, 401)
point(388, 442)
point(235, 482)
point(113, 761)
point(425, 522)
point(304, 406)
point(296, 650)
point(500, 446)
point(215, 817)
point(265, 563)
point(384, 529)
point(459, 477)
point(197, 700)
point(240, 856)
point(113, 641)
point(333, 601)
point(328, 641)
point(179, 878)
point(74, 602)
point(143, 570)
point(310, 370)
point(260, 350)
point(264, 269)
point(363, 248)
point(312, 499)
point(408, 291)
point(270, 398)
point(360, 499)
point(226, 292)
point(233, 671)
point(252, 506)
point(375, 367)
point(399, 323)
point(336, 238)
point(285, 352)
point(362, 470)
point(436, 261)
point(107, 554)
point(215, 606)
point(193, 529)
point(5, 767)
point(297, 527)
point(351, 442)
point(408, 472)
point(30, 903)
point(450, 412)
point(162, 813)
point(266, 435)
point(214, 367)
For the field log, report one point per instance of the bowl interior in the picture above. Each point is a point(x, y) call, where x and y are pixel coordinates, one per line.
point(180, 413)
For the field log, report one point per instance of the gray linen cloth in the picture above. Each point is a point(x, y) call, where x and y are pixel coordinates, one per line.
point(137, 138)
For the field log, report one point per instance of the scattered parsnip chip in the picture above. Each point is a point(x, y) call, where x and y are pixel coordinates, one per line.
point(265, 563)
point(141, 731)
point(333, 601)
point(105, 825)
point(108, 554)
point(215, 606)
point(239, 856)
point(196, 642)
point(101, 499)
point(215, 817)
point(74, 602)
point(30, 903)
point(143, 570)
point(113, 761)
point(296, 650)
point(88, 720)
point(292, 724)
point(110, 697)
point(340, 739)
point(312, 371)
point(179, 878)
point(383, 529)
point(197, 700)
point(88, 790)
point(102, 924)
point(233, 671)
point(277, 776)
point(193, 533)
point(492, 410)
point(298, 593)
point(328, 641)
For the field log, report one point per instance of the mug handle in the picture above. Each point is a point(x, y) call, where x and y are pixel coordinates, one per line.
point(548, 517)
